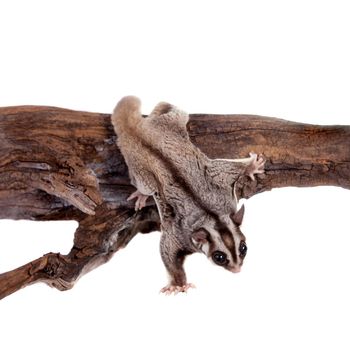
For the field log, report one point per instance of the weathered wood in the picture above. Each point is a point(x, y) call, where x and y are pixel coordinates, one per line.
point(58, 164)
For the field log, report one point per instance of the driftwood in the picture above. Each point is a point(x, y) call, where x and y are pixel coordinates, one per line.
point(58, 164)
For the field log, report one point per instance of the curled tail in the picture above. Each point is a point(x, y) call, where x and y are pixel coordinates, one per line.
point(127, 115)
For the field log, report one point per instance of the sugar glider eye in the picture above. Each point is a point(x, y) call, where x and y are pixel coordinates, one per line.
point(220, 258)
point(243, 249)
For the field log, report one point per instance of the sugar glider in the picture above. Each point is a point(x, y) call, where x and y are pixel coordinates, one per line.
point(194, 194)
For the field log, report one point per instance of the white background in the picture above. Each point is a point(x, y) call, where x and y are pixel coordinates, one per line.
point(286, 59)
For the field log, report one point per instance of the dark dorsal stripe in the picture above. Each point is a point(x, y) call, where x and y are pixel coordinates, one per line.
point(228, 240)
point(179, 178)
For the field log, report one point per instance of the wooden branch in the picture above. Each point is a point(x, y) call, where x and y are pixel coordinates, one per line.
point(58, 164)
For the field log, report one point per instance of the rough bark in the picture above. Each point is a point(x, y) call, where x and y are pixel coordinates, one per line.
point(58, 164)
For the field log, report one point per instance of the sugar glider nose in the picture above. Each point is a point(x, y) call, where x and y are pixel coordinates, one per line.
point(235, 269)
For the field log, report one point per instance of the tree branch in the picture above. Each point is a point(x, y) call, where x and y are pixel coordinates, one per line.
point(58, 164)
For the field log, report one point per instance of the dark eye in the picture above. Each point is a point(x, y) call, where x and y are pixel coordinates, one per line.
point(219, 258)
point(243, 249)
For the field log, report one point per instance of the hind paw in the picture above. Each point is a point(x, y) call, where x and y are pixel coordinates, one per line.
point(140, 199)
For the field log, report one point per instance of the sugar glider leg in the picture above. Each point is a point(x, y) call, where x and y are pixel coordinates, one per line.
point(173, 257)
point(145, 184)
point(250, 166)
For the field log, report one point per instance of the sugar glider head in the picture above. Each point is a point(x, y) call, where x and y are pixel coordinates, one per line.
point(222, 241)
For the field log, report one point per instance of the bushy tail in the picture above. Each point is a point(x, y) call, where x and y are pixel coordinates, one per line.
point(127, 115)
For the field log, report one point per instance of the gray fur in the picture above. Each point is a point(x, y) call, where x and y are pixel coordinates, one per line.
point(193, 193)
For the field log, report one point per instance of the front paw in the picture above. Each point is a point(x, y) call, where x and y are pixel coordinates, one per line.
point(256, 165)
point(169, 289)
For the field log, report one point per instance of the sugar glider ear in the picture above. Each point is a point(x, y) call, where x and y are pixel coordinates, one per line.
point(200, 236)
point(237, 218)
